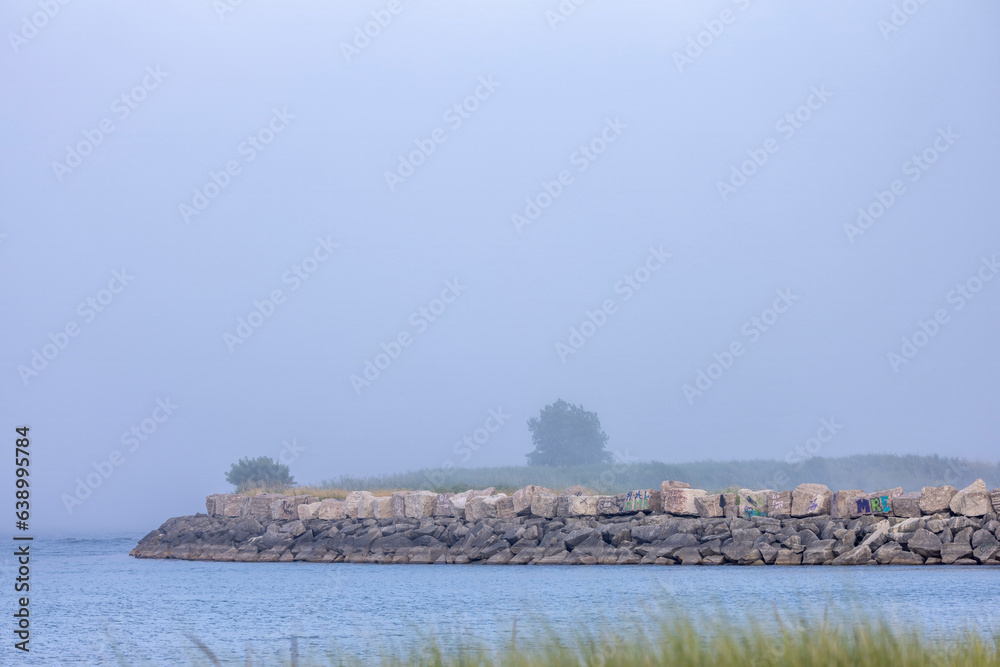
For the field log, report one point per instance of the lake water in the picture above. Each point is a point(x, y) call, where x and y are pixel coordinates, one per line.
point(90, 600)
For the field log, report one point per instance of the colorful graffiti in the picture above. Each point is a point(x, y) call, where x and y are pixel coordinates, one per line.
point(874, 505)
point(754, 507)
point(636, 501)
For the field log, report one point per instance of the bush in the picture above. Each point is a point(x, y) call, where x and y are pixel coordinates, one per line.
point(261, 472)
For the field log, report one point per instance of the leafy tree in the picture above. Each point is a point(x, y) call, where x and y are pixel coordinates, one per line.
point(565, 434)
point(262, 472)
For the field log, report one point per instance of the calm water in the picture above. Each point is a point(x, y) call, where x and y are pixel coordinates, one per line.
point(89, 600)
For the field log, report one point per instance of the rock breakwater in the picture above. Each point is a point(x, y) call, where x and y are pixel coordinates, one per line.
point(810, 525)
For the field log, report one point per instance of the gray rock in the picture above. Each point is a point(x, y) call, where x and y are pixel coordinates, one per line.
point(952, 552)
point(986, 551)
point(907, 505)
point(818, 553)
point(779, 503)
point(979, 537)
point(788, 557)
point(973, 500)
point(925, 543)
point(811, 500)
point(680, 501)
point(887, 552)
point(709, 506)
point(857, 556)
point(936, 499)
point(907, 558)
point(544, 505)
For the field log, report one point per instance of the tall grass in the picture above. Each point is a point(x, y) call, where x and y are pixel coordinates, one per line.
point(682, 642)
point(869, 471)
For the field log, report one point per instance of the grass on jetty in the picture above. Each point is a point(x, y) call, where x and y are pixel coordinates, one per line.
point(681, 643)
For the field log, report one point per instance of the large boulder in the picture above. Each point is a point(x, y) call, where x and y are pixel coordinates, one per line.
point(331, 509)
point(986, 551)
point(973, 500)
point(366, 509)
point(680, 501)
point(673, 484)
point(286, 508)
point(309, 510)
point(442, 505)
point(458, 504)
point(610, 505)
point(951, 552)
point(544, 505)
point(857, 556)
point(906, 505)
point(709, 506)
point(419, 504)
point(399, 504)
point(925, 543)
point(236, 505)
point(522, 498)
point(260, 506)
point(935, 499)
point(215, 504)
point(730, 505)
point(355, 504)
point(819, 552)
point(779, 503)
point(383, 507)
point(995, 499)
point(753, 503)
point(579, 505)
point(499, 505)
point(811, 500)
point(844, 505)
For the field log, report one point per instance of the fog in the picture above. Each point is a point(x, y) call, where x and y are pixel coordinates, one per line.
point(265, 232)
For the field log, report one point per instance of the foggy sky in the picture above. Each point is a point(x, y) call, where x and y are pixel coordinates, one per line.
point(607, 109)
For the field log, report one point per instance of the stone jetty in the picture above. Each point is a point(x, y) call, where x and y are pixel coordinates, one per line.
point(675, 524)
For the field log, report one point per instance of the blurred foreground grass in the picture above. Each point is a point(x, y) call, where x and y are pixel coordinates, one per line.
point(682, 643)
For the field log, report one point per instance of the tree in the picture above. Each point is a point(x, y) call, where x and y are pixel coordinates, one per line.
point(565, 434)
point(261, 472)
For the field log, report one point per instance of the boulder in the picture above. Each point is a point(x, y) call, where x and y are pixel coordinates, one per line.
point(383, 507)
point(366, 508)
point(819, 552)
point(680, 501)
point(442, 505)
point(419, 504)
point(709, 506)
point(609, 505)
point(787, 557)
point(779, 503)
point(544, 505)
point(286, 508)
point(579, 505)
point(236, 505)
point(475, 510)
point(730, 505)
point(973, 500)
point(995, 500)
point(856, 556)
point(878, 536)
point(458, 504)
point(845, 505)
point(354, 502)
point(811, 500)
point(935, 499)
point(907, 558)
point(925, 543)
point(523, 497)
point(636, 501)
point(309, 510)
point(575, 490)
point(260, 505)
point(331, 509)
point(215, 504)
point(499, 505)
point(986, 551)
point(953, 551)
point(672, 484)
point(753, 503)
point(887, 552)
point(399, 505)
point(907, 505)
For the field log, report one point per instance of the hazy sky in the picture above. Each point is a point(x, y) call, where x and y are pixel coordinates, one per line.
point(461, 190)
